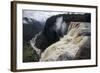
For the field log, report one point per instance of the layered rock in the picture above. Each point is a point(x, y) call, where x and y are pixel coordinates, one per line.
point(71, 45)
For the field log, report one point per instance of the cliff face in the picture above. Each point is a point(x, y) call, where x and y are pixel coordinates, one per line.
point(72, 46)
point(64, 37)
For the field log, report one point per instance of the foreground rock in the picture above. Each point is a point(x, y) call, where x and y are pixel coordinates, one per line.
point(71, 45)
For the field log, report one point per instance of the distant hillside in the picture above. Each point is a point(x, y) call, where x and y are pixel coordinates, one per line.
point(30, 28)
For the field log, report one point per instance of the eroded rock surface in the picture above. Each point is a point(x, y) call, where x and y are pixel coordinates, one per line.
point(71, 45)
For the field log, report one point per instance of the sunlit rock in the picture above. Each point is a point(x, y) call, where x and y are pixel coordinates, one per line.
point(71, 45)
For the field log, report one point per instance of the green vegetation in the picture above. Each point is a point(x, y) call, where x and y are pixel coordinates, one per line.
point(29, 55)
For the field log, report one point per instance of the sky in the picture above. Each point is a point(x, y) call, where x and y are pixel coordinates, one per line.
point(42, 15)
